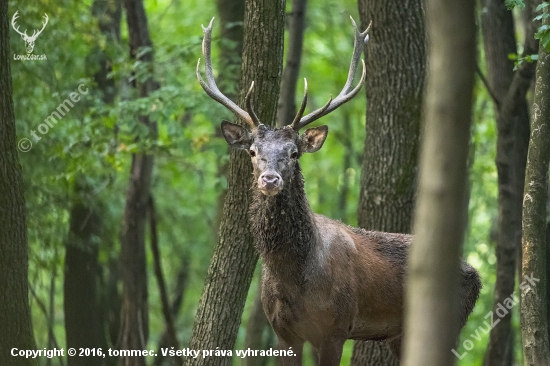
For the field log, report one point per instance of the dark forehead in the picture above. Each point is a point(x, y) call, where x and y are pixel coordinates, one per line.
point(280, 136)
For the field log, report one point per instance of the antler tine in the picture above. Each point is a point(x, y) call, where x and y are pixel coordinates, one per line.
point(296, 123)
point(210, 86)
point(348, 92)
point(250, 107)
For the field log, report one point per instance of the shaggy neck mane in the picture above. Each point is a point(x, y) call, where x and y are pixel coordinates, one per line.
point(282, 225)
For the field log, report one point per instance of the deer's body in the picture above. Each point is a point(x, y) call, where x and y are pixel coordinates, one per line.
point(323, 281)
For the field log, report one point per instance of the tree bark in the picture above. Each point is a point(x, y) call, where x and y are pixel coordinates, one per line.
point(231, 14)
point(512, 141)
point(287, 99)
point(15, 314)
point(234, 258)
point(84, 323)
point(440, 217)
point(135, 318)
point(396, 63)
point(534, 304)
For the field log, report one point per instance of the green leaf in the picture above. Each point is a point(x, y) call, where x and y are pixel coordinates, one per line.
point(542, 6)
point(511, 4)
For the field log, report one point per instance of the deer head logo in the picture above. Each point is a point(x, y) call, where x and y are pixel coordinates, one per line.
point(29, 40)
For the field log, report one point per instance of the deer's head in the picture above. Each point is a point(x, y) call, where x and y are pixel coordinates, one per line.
point(29, 40)
point(275, 151)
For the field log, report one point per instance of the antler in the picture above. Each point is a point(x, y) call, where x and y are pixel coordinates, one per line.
point(212, 90)
point(15, 16)
point(36, 33)
point(347, 92)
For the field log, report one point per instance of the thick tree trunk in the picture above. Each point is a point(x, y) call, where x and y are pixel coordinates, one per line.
point(231, 13)
point(396, 63)
point(84, 324)
point(512, 141)
point(234, 258)
point(286, 109)
point(440, 217)
point(534, 304)
point(15, 315)
point(135, 318)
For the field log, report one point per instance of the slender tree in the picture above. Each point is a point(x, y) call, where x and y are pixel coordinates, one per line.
point(388, 171)
point(15, 314)
point(287, 99)
point(440, 216)
point(509, 89)
point(234, 258)
point(179, 291)
point(534, 304)
point(135, 319)
point(81, 300)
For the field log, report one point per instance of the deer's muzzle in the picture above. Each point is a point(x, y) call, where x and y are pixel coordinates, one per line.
point(270, 183)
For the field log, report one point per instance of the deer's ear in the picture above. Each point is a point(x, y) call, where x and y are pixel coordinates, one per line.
point(236, 136)
point(312, 139)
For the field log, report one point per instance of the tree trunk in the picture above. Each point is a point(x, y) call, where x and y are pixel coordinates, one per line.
point(440, 217)
point(231, 14)
point(286, 109)
point(161, 283)
point(84, 324)
point(15, 314)
point(135, 318)
point(181, 284)
point(534, 303)
point(548, 277)
point(396, 63)
point(234, 258)
point(512, 141)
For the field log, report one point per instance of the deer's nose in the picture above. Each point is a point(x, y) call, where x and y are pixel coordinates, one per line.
point(270, 180)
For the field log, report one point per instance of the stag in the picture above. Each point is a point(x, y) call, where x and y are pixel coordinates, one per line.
point(322, 281)
point(29, 40)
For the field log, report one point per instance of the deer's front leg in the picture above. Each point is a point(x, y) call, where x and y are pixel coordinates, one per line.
point(297, 346)
point(330, 351)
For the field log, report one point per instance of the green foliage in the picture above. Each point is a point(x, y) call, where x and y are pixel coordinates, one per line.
point(543, 33)
point(511, 4)
point(519, 60)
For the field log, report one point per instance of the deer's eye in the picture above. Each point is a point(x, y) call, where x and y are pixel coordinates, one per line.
point(252, 153)
point(294, 155)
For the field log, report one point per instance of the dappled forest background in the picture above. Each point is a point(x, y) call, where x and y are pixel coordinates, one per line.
point(78, 173)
